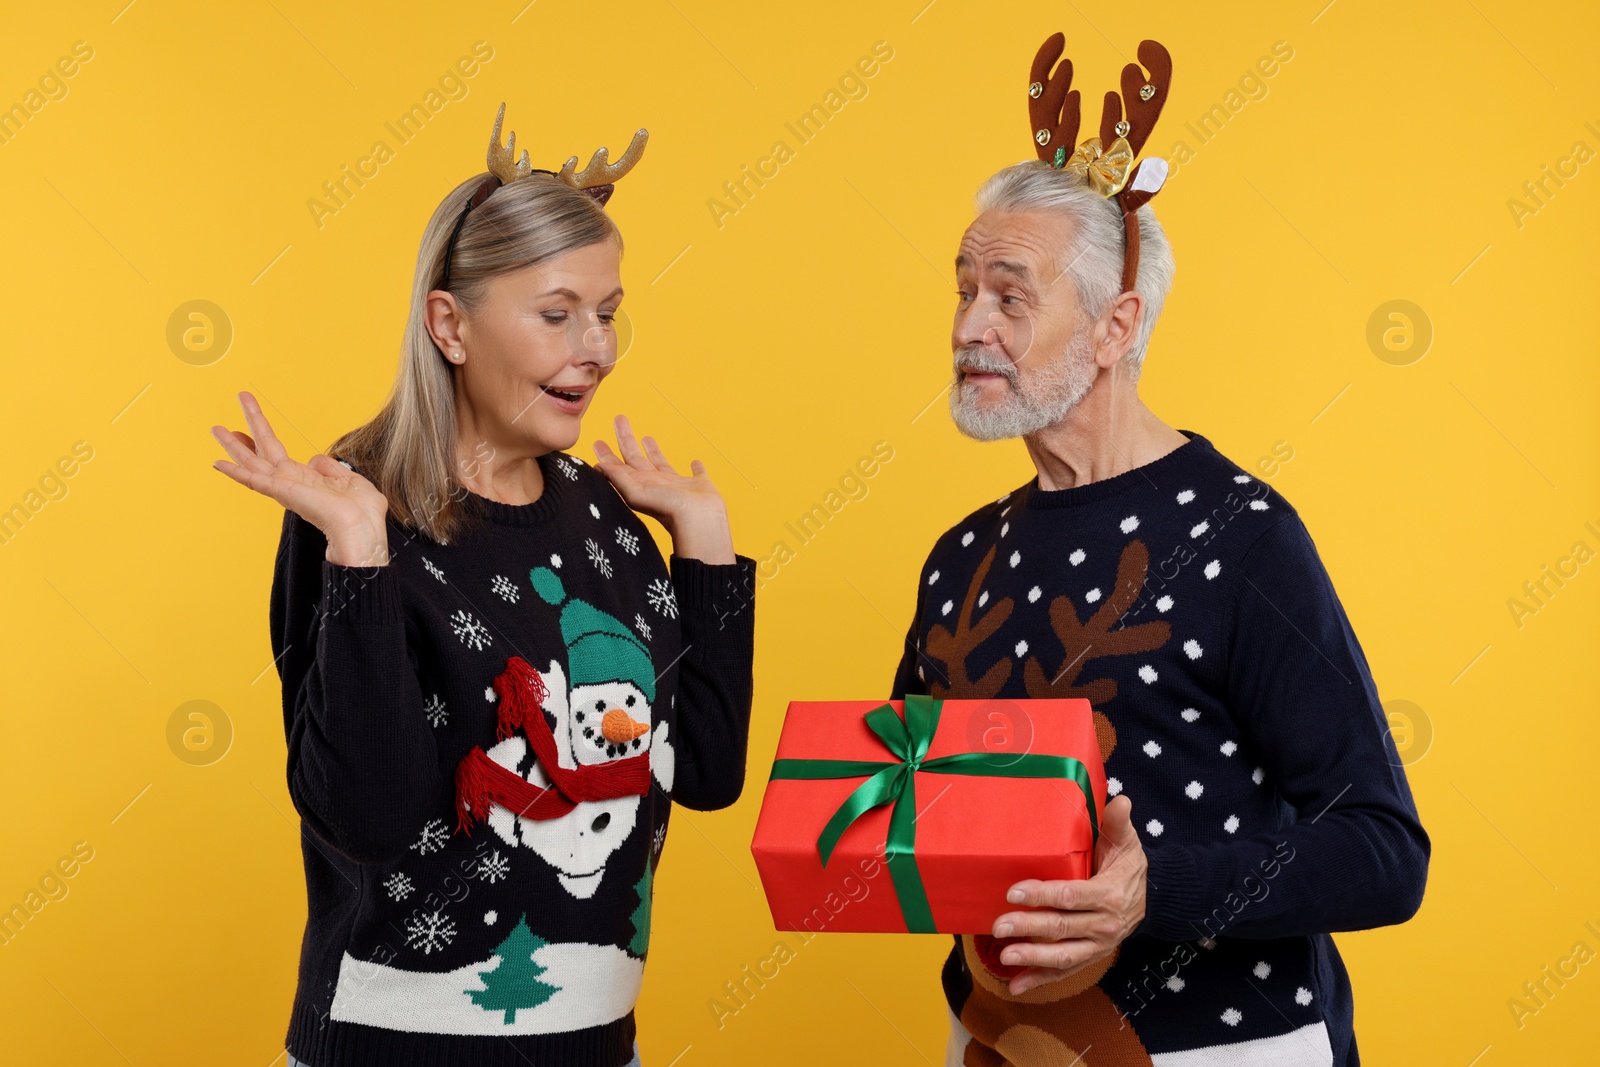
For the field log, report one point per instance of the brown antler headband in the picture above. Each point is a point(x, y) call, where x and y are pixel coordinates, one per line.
point(1106, 162)
point(598, 179)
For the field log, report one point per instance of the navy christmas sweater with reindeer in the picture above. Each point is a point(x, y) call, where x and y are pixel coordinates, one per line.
point(485, 739)
point(1234, 707)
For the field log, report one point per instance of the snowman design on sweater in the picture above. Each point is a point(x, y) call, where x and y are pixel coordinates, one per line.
point(576, 750)
point(598, 715)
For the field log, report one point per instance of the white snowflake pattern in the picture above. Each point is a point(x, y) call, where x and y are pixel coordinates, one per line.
point(1213, 569)
point(1016, 558)
point(661, 597)
point(431, 932)
point(1193, 790)
point(1113, 786)
point(1130, 524)
point(1152, 749)
point(1241, 479)
point(493, 867)
point(983, 598)
point(555, 561)
point(628, 540)
point(1164, 605)
point(398, 886)
point(1148, 674)
point(433, 570)
point(1176, 984)
point(1261, 970)
point(1077, 557)
point(1186, 496)
point(1302, 996)
point(1199, 528)
point(505, 587)
point(1022, 649)
point(433, 837)
point(1191, 648)
point(945, 608)
point(659, 839)
point(1034, 594)
point(934, 577)
point(1258, 776)
point(1258, 505)
point(594, 510)
point(1093, 595)
point(642, 626)
point(966, 539)
point(435, 710)
point(1005, 528)
point(1231, 824)
point(1189, 714)
point(473, 634)
point(597, 557)
point(1154, 828)
point(567, 467)
point(1229, 748)
point(491, 917)
point(1233, 1016)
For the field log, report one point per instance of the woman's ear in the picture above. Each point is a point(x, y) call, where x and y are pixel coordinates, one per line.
point(1120, 328)
point(442, 318)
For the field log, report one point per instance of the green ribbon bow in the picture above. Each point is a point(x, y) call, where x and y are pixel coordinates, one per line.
point(893, 783)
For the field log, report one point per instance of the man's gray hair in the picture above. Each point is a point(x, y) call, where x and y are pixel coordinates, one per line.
point(1094, 258)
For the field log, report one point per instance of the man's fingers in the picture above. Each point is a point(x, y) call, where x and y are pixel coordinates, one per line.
point(1117, 828)
point(1050, 925)
point(1067, 895)
point(1057, 955)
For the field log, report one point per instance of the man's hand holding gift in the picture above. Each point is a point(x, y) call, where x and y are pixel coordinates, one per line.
point(1079, 921)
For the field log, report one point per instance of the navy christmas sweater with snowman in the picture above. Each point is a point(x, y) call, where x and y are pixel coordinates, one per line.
point(1233, 705)
point(485, 739)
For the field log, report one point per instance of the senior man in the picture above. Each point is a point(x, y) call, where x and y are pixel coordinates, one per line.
point(1259, 804)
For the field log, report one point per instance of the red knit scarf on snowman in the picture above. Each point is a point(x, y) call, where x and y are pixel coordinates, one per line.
point(480, 781)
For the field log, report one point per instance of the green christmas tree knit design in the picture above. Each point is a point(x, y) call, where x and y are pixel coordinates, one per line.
point(641, 915)
point(515, 983)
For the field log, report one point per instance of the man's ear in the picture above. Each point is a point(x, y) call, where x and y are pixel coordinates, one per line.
point(1119, 327)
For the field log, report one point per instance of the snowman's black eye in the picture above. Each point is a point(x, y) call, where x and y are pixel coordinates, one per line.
point(601, 821)
point(588, 731)
point(580, 716)
point(599, 705)
point(631, 700)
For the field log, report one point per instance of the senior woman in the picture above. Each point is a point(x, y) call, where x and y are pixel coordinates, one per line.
point(493, 685)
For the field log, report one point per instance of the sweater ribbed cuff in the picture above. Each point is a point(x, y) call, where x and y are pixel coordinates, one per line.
point(1172, 888)
point(360, 596)
point(722, 591)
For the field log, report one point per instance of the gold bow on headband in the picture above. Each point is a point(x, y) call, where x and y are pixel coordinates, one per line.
point(1107, 170)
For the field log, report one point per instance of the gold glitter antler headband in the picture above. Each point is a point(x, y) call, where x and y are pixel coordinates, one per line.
point(1106, 162)
point(598, 179)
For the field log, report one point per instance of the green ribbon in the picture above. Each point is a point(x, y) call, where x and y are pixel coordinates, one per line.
point(894, 783)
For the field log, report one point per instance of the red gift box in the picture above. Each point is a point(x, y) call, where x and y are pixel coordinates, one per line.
point(888, 818)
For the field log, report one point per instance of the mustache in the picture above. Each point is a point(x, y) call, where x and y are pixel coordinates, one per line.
point(985, 361)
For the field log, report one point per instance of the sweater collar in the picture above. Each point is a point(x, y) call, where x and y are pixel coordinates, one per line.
point(1140, 476)
point(556, 480)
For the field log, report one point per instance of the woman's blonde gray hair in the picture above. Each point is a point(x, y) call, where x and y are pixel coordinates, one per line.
point(408, 450)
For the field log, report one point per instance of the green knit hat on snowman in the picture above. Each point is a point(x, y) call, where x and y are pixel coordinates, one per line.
point(599, 647)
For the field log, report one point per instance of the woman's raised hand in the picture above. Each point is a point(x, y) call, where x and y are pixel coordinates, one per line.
point(349, 510)
point(688, 505)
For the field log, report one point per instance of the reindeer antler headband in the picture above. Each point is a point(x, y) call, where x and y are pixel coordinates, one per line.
point(598, 179)
point(1106, 161)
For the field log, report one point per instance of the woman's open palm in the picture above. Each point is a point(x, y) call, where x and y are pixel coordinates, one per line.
point(324, 492)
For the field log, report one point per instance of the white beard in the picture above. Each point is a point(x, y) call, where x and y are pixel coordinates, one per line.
point(1037, 399)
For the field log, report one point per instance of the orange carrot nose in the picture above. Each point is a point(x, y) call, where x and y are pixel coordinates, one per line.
point(619, 727)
